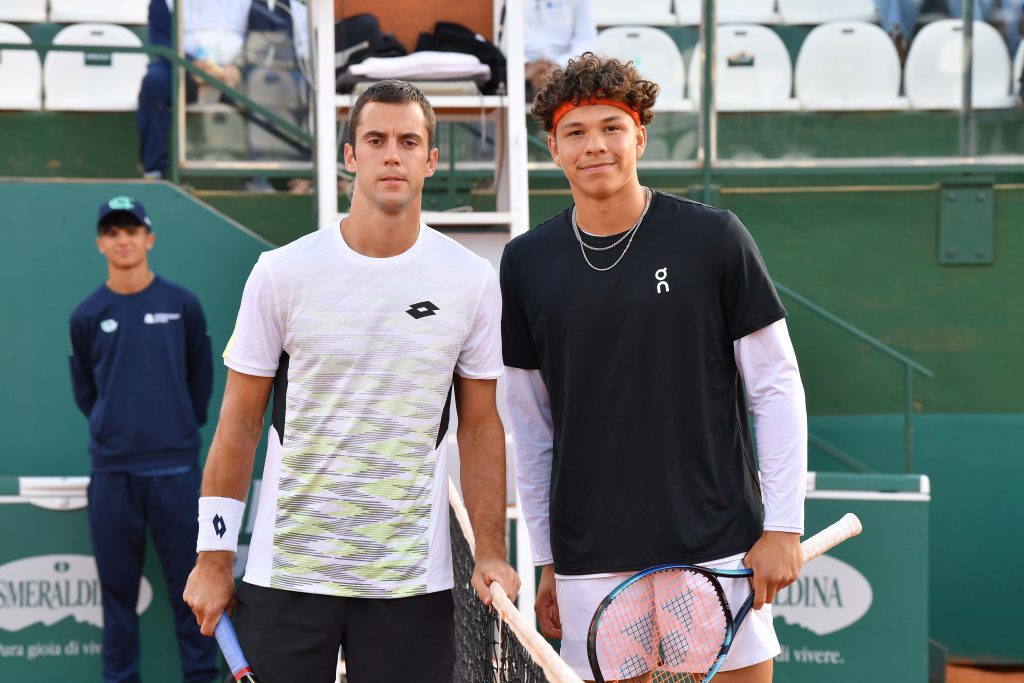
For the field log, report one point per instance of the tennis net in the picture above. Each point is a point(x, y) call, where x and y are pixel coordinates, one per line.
point(496, 644)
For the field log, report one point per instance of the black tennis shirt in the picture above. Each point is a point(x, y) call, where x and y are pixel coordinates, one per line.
point(653, 459)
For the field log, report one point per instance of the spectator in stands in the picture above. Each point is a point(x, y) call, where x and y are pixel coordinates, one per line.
point(555, 31)
point(214, 34)
point(142, 373)
point(899, 17)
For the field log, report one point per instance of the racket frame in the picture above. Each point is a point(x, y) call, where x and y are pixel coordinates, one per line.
point(731, 623)
point(847, 527)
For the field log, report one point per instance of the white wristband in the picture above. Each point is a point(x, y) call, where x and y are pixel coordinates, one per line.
point(220, 520)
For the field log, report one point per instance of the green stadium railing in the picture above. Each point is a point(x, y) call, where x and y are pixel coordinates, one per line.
point(910, 366)
point(279, 123)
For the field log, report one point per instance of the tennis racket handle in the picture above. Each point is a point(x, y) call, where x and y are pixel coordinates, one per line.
point(229, 646)
point(831, 536)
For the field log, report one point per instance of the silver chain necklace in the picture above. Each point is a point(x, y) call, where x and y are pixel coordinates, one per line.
point(631, 233)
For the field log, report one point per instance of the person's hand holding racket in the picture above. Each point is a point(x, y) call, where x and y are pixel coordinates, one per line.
point(210, 589)
point(775, 559)
point(674, 623)
point(232, 651)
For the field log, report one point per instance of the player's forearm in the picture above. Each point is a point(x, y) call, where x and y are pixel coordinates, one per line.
point(482, 472)
point(230, 462)
point(776, 397)
point(529, 411)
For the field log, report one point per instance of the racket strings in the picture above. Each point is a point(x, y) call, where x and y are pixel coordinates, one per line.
point(667, 627)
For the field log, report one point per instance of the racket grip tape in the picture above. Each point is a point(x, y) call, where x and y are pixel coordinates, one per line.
point(232, 651)
point(831, 536)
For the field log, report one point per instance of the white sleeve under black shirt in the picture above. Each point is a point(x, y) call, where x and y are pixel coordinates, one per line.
point(651, 454)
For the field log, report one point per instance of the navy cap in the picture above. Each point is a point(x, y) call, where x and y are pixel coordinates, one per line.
point(126, 204)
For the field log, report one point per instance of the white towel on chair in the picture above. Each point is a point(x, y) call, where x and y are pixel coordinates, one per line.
point(424, 66)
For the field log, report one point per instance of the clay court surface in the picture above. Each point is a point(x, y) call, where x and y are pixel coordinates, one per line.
point(964, 674)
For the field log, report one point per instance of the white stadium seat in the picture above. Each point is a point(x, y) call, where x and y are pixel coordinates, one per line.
point(746, 12)
point(94, 81)
point(646, 13)
point(25, 11)
point(111, 11)
point(848, 65)
point(657, 149)
point(752, 71)
point(20, 72)
point(1018, 66)
point(216, 132)
point(278, 91)
point(815, 12)
point(933, 74)
point(688, 12)
point(656, 56)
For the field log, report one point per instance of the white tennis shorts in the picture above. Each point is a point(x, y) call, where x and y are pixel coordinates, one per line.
point(579, 596)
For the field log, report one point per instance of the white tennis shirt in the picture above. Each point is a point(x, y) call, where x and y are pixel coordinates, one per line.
point(354, 499)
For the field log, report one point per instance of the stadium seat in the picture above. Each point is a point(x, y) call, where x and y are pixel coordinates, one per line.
point(111, 11)
point(848, 65)
point(19, 72)
point(25, 11)
point(647, 13)
point(746, 11)
point(753, 71)
point(1018, 67)
point(94, 81)
point(933, 74)
point(815, 12)
point(279, 91)
point(686, 147)
point(216, 132)
point(656, 57)
point(688, 12)
point(657, 149)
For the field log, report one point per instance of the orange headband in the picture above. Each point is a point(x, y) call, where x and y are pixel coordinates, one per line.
point(568, 106)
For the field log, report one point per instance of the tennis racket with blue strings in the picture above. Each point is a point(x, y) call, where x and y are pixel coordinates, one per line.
point(672, 623)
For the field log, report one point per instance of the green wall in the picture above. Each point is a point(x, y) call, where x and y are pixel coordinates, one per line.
point(861, 243)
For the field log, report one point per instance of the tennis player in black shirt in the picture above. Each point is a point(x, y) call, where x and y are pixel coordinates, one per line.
point(639, 328)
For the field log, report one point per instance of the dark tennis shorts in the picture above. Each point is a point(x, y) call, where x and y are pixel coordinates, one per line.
point(292, 637)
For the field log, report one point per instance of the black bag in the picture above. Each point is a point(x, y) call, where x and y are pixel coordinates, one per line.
point(358, 38)
point(452, 37)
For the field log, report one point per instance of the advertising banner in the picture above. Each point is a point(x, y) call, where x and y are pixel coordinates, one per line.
point(860, 612)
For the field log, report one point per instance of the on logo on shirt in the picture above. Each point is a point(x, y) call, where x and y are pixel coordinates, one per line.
point(160, 318)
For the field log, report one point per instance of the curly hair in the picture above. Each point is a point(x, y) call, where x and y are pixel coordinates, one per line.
point(590, 76)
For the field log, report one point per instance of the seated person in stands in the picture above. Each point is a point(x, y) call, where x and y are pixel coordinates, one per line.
point(554, 32)
point(214, 34)
point(899, 17)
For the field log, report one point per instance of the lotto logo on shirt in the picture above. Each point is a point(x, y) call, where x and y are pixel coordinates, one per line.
point(160, 318)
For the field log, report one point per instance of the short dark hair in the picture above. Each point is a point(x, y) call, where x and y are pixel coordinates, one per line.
point(392, 91)
point(119, 219)
point(590, 76)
